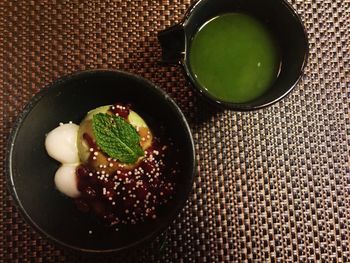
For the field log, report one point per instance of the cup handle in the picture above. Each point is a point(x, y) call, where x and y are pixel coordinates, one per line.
point(172, 42)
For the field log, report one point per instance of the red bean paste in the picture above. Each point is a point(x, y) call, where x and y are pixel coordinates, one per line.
point(124, 194)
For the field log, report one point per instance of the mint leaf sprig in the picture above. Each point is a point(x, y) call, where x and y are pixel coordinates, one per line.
point(117, 138)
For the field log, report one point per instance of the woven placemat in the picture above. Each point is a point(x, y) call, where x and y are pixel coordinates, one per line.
point(273, 185)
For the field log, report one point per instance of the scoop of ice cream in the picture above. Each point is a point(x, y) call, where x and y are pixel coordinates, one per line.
point(100, 159)
point(66, 180)
point(61, 143)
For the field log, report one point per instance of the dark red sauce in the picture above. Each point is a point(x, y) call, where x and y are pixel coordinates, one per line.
point(120, 110)
point(128, 195)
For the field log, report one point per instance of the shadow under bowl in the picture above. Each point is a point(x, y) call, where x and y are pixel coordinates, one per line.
point(30, 171)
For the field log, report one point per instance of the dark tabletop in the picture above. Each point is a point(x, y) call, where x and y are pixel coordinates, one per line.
point(273, 185)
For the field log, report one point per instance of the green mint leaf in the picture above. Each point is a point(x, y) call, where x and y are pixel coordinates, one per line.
point(116, 137)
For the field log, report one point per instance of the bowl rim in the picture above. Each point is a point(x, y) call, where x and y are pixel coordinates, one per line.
point(242, 107)
point(34, 100)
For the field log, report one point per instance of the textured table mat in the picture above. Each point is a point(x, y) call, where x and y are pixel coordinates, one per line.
point(273, 185)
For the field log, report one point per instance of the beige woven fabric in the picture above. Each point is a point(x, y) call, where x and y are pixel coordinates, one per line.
point(273, 185)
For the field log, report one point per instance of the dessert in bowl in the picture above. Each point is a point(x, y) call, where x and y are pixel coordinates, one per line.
point(113, 165)
point(72, 182)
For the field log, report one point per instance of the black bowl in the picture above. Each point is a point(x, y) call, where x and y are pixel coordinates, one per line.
point(30, 171)
point(277, 15)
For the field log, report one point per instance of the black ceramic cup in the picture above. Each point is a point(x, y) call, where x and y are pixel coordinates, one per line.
point(277, 16)
point(30, 171)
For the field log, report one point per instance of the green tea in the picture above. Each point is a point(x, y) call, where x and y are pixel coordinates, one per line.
point(234, 58)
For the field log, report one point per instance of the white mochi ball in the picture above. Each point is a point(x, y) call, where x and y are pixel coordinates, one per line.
point(61, 143)
point(66, 181)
